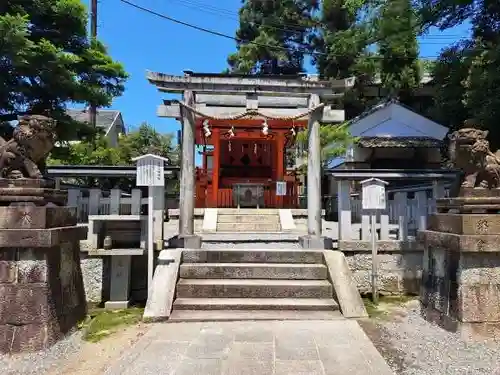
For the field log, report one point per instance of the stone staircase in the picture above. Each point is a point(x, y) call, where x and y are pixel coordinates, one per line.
point(240, 284)
point(248, 220)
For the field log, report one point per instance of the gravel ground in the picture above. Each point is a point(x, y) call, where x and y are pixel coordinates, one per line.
point(250, 245)
point(40, 362)
point(413, 346)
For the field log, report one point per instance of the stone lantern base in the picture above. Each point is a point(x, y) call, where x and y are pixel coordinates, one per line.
point(41, 286)
point(461, 265)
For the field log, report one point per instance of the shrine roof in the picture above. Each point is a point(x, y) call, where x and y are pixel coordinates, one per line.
point(392, 119)
point(238, 83)
point(241, 75)
point(396, 142)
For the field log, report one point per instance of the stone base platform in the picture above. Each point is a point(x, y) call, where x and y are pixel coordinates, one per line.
point(41, 286)
point(461, 269)
point(38, 192)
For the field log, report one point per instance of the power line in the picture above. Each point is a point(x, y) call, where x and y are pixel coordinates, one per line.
point(222, 35)
point(221, 12)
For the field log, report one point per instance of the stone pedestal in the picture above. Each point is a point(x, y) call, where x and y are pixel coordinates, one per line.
point(41, 286)
point(315, 242)
point(461, 269)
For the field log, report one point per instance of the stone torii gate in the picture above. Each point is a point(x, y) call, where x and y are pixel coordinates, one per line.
point(226, 95)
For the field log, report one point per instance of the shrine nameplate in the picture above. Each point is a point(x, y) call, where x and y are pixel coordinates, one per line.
point(280, 188)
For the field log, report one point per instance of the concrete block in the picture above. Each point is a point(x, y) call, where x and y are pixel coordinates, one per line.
point(161, 296)
point(210, 220)
point(310, 242)
point(120, 282)
point(286, 220)
point(116, 305)
point(189, 241)
point(344, 286)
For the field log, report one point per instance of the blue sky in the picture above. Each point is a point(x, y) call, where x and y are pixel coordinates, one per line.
point(142, 42)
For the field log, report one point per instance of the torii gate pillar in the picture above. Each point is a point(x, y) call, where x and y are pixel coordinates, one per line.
point(313, 239)
point(187, 186)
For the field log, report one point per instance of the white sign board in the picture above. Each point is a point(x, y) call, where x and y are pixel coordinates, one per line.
point(280, 188)
point(150, 172)
point(373, 194)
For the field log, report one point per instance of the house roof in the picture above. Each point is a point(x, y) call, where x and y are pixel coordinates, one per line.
point(105, 118)
point(392, 119)
point(397, 142)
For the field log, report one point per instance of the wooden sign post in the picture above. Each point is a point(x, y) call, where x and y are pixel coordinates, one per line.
point(373, 200)
point(150, 173)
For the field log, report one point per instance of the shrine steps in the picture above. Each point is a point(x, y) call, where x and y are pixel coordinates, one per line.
point(248, 220)
point(253, 284)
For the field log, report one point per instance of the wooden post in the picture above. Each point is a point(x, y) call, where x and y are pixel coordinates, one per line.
point(215, 167)
point(150, 238)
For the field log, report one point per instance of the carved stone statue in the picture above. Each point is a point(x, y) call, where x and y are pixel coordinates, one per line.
point(470, 151)
point(32, 141)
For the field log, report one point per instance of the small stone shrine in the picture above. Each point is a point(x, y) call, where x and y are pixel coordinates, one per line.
point(461, 265)
point(41, 286)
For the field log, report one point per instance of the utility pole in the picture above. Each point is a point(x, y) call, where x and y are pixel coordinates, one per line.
point(93, 37)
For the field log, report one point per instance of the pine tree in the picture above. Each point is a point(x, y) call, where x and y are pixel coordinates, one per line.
point(341, 48)
point(398, 49)
point(47, 60)
point(467, 74)
point(272, 36)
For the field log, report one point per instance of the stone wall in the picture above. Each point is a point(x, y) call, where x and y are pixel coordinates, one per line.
point(96, 273)
point(398, 272)
point(399, 265)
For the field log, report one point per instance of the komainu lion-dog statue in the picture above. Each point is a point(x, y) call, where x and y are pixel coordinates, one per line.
point(32, 141)
point(470, 151)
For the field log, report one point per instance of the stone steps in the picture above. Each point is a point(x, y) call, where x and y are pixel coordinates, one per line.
point(294, 304)
point(295, 271)
point(237, 315)
point(247, 211)
point(253, 288)
point(253, 256)
point(253, 284)
point(248, 220)
point(251, 226)
point(269, 219)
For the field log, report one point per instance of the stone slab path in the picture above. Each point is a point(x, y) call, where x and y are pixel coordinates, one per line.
point(335, 347)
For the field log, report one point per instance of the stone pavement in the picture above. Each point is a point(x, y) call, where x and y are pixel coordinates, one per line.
point(334, 347)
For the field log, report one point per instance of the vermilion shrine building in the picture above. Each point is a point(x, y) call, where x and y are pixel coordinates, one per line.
point(244, 125)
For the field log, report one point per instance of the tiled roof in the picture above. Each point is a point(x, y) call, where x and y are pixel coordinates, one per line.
point(398, 142)
point(104, 118)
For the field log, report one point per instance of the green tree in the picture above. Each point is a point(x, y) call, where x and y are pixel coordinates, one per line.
point(146, 140)
point(46, 61)
point(397, 32)
point(467, 74)
point(341, 48)
point(272, 36)
point(143, 140)
point(334, 140)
